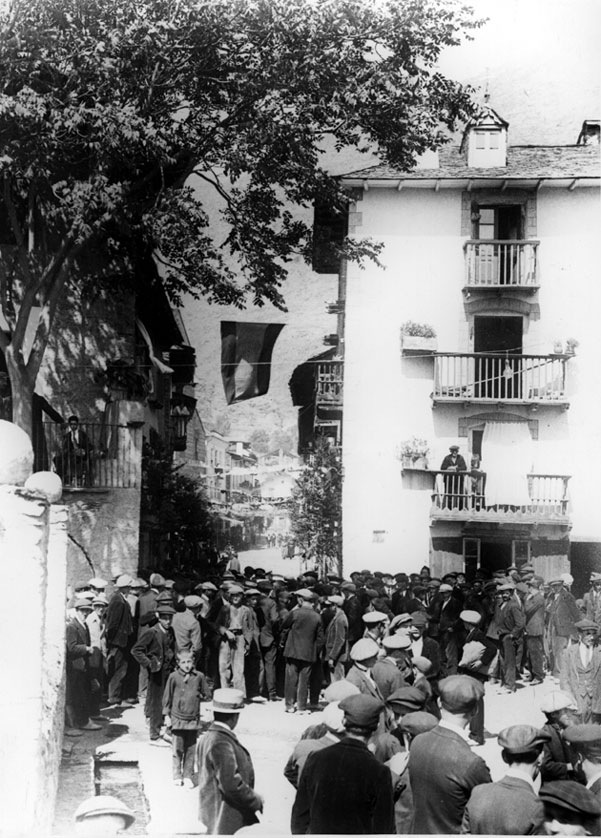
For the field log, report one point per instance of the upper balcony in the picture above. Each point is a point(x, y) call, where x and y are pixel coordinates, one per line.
point(496, 265)
point(104, 457)
point(462, 496)
point(531, 380)
point(329, 389)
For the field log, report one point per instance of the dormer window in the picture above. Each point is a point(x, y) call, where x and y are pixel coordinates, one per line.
point(485, 140)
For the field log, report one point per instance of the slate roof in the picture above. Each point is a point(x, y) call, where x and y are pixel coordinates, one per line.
point(523, 162)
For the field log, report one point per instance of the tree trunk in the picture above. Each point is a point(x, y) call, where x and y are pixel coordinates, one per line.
point(22, 386)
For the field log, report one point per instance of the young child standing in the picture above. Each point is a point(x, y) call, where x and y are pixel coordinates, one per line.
point(184, 690)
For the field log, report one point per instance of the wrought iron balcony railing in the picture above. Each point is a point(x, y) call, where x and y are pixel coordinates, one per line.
point(103, 457)
point(329, 389)
point(494, 263)
point(523, 379)
point(463, 495)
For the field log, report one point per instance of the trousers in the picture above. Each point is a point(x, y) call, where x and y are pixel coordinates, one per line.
point(231, 663)
point(117, 669)
point(296, 686)
point(183, 746)
point(536, 656)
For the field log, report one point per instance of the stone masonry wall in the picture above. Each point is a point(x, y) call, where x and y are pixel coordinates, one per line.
point(32, 623)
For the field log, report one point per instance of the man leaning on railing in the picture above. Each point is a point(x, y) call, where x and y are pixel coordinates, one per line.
point(74, 464)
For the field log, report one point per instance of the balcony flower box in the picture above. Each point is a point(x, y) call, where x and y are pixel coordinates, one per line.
point(416, 345)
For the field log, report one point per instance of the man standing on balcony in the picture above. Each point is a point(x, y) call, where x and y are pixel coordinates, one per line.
point(453, 482)
point(76, 455)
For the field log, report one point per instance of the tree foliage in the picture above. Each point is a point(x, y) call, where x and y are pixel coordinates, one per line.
point(118, 118)
point(316, 511)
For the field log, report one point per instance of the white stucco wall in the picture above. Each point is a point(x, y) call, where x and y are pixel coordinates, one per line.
point(387, 397)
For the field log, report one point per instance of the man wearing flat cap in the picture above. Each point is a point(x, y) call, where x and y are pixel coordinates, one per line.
point(336, 638)
point(570, 809)
point(344, 789)
point(580, 673)
point(562, 613)
point(353, 609)
point(586, 742)
point(511, 805)
point(454, 483)
point(443, 769)
point(394, 670)
point(302, 639)
point(510, 621)
point(226, 777)
point(592, 600)
point(155, 650)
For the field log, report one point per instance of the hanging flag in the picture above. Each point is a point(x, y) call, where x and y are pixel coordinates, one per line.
point(246, 358)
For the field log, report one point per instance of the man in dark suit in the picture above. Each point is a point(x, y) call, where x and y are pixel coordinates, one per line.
point(445, 611)
point(76, 456)
point(303, 640)
point(354, 612)
point(155, 650)
point(534, 630)
point(442, 768)
point(119, 632)
point(562, 614)
point(454, 483)
point(343, 789)
point(424, 646)
point(477, 667)
point(79, 650)
point(510, 621)
point(510, 806)
point(336, 638)
point(226, 776)
point(561, 712)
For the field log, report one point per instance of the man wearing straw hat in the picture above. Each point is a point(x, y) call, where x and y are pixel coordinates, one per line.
point(226, 776)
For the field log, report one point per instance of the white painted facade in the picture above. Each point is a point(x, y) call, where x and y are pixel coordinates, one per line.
point(387, 397)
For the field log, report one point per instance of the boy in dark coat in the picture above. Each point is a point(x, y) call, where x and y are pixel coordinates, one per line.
point(184, 691)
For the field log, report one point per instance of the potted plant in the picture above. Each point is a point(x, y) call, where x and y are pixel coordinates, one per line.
point(558, 347)
point(417, 338)
point(571, 344)
point(414, 453)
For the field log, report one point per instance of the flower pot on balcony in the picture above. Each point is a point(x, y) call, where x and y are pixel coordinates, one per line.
point(417, 345)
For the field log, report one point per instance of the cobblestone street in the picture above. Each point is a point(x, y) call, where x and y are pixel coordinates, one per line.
point(128, 766)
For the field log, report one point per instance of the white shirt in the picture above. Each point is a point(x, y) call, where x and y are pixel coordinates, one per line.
point(462, 731)
point(417, 646)
point(586, 653)
point(593, 779)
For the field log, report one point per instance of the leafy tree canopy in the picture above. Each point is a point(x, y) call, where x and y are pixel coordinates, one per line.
point(107, 107)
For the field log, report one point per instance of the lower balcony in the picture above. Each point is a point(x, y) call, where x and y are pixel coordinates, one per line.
point(103, 457)
point(500, 377)
point(328, 392)
point(464, 496)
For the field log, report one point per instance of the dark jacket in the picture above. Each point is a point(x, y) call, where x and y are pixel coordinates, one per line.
point(354, 614)
point(78, 640)
point(443, 771)
point(563, 613)
point(336, 643)
point(508, 807)
point(270, 614)
point(226, 780)
point(182, 697)
point(557, 756)
point(534, 612)
point(387, 676)
point(303, 630)
point(510, 619)
point(343, 789)
point(155, 649)
point(119, 622)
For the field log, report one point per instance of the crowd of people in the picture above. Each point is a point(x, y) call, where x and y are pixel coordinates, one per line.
point(400, 663)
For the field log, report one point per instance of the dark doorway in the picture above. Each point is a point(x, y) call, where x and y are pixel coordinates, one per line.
point(495, 555)
point(497, 373)
point(502, 226)
point(585, 558)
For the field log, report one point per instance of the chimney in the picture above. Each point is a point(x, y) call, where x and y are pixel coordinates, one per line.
point(589, 133)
